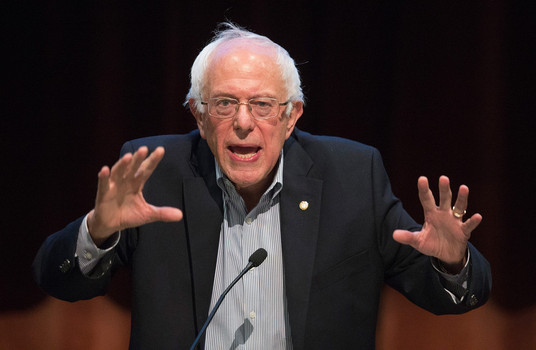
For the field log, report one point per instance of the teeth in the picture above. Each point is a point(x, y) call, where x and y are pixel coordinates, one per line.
point(244, 156)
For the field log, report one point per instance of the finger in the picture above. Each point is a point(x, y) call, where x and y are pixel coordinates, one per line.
point(461, 200)
point(150, 163)
point(103, 184)
point(406, 237)
point(167, 214)
point(470, 224)
point(425, 194)
point(137, 159)
point(445, 194)
point(120, 167)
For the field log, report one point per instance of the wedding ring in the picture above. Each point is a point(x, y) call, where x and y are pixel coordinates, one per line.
point(457, 213)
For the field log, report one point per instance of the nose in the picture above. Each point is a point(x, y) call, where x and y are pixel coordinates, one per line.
point(243, 121)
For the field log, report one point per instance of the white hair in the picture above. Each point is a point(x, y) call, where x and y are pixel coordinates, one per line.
point(198, 77)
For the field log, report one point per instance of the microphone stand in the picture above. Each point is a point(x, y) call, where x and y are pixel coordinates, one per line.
point(255, 260)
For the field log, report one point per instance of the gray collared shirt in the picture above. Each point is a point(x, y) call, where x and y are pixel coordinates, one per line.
point(254, 313)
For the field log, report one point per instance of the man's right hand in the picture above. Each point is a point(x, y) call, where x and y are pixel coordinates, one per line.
point(120, 203)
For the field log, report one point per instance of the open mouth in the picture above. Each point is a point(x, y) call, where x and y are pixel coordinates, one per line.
point(244, 153)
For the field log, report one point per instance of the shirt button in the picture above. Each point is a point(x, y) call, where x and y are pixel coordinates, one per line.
point(249, 221)
point(88, 255)
point(252, 315)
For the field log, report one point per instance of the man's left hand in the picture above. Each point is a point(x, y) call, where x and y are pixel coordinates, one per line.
point(444, 234)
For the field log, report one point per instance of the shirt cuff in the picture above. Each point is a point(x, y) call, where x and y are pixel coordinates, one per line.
point(87, 252)
point(454, 285)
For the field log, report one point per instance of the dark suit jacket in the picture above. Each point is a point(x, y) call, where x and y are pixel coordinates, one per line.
point(337, 254)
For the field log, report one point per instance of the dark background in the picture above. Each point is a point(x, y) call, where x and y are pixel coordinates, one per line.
point(440, 87)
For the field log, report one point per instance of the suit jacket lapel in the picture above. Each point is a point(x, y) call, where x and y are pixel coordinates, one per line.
point(299, 231)
point(203, 215)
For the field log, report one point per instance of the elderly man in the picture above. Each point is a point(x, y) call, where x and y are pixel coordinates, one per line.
point(322, 208)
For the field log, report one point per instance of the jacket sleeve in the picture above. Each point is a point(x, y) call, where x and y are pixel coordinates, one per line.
point(56, 268)
point(57, 272)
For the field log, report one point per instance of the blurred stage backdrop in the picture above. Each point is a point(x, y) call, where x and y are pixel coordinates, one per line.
point(438, 87)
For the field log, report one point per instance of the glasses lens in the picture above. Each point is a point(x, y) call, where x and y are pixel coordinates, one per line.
point(263, 108)
point(222, 107)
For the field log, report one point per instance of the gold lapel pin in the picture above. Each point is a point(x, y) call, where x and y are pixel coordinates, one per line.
point(304, 205)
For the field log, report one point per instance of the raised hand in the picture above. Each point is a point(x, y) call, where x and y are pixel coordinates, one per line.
point(444, 234)
point(120, 203)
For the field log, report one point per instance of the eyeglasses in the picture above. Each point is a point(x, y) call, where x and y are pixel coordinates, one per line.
point(260, 107)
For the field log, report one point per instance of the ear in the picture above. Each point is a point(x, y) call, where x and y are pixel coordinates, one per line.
point(199, 117)
point(295, 114)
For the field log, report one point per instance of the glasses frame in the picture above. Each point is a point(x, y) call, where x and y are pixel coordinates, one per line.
point(238, 104)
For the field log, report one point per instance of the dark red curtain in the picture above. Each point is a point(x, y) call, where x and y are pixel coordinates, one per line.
point(438, 87)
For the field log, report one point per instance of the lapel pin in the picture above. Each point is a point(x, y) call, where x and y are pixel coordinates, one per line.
point(304, 205)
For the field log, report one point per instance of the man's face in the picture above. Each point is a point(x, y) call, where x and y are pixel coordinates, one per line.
point(246, 149)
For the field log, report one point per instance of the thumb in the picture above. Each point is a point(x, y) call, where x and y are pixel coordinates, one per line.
point(405, 237)
point(167, 214)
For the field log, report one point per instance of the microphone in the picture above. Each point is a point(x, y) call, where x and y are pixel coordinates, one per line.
point(255, 260)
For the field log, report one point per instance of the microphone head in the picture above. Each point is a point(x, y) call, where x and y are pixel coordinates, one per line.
point(258, 257)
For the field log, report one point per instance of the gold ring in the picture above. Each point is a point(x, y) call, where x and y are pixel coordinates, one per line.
point(458, 214)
